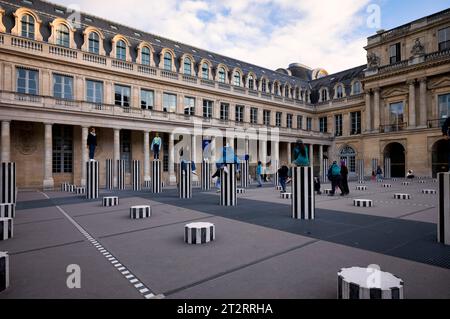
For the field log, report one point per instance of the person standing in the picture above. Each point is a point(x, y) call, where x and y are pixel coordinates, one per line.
point(379, 174)
point(156, 146)
point(259, 173)
point(446, 133)
point(344, 179)
point(92, 143)
point(283, 173)
point(334, 175)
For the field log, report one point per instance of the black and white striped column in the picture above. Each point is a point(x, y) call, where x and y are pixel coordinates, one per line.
point(444, 208)
point(228, 185)
point(374, 164)
point(136, 172)
point(64, 187)
point(120, 174)
point(361, 172)
point(110, 201)
point(156, 177)
point(109, 174)
point(244, 174)
point(6, 228)
point(8, 182)
point(4, 271)
point(363, 203)
point(387, 167)
point(92, 180)
point(7, 210)
point(185, 180)
point(80, 190)
point(303, 206)
point(325, 170)
point(206, 175)
point(199, 233)
point(139, 212)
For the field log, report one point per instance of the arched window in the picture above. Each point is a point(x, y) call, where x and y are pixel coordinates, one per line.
point(348, 155)
point(251, 82)
point(324, 95)
point(94, 43)
point(339, 92)
point(167, 61)
point(145, 56)
point(263, 86)
point(278, 89)
point(205, 71)
point(357, 87)
point(222, 75)
point(121, 50)
point(187, 66)
point(286, 91)
point(237, 78)
point(28, 26)
point(62, 35)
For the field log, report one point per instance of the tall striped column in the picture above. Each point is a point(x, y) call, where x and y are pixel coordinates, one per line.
point(228, 185)
point(120, 174)
point(4, 271)
point(303, 206)
point(361, 170)
point(109, 174)
point(8, 183)
point(276, 181)
point(374, 164)
point(156, 177)
point(244, 174)
point(325, 171)
point(92, 179)
point(444, 208)
point(387, 167)
point(184, 180)
point(136, 175)
point(206, 175)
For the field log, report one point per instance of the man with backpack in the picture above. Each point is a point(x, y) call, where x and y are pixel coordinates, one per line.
point(334, 175)
point(283, 173)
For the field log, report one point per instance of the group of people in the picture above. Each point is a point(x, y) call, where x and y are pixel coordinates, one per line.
point(338, 176)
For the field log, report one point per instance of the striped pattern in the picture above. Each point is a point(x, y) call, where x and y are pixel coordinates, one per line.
point(361, 182)
point(303, 196)
point(406, 183)
point(4, 271)
point(185, 180)
point(136, 173)
point(361, 188)
point(360, 167)
point(245, 180)
point(7, 210)
point(6, 228)
point(148, 184)
point(156, 177)
point(387, 167)
point(325, 170)
point(279, 188)
point(363, 203)
point(199, 233)
point(286, 195)
point(228, 186)
point(120, 174)
point(64, 187)
point(394, 179)
point(240, 190)
point(8, 182)
point(276, 180)
point(206, 175)
point(327, 191)
point(71, 188)
point(80, 190)
point(444, 208)
point(422, 181)
point(110, 201)
point(402, 196)
point(348, 289)
point(374, 164)
point(109, 174)
point(429, 191)
point(92, 168)
point(387, 185)
point(139, 212)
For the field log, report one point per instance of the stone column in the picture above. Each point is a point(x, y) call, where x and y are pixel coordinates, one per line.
point(48, 157)
point(6, 142)
point(321, 159)
point(412, 104)
point(368, 115)
point(423, 103)
point(146, 156)
point(376, 110)
point(172, 177)
point(289, 153)
point(311, 155)
point(116, 155)
point(84, 153)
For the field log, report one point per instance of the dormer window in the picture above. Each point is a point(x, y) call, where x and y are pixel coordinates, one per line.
point(251, 82)
point(28, 26)
point(395, 53)
point(221, 75)
point(187, 66)
point(237, 79)
point(167, 61)
point(263, 86)
point(121, 50)
point(357, 88)
point(62, 35)
point(145, 56)
point(205, 71)
point(444, 39)
point(339, 92)
point(323, 95)
point(94, 43)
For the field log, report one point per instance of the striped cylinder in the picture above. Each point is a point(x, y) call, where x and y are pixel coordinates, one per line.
point(228, 185)
point(4, 271)
point(8, 182)
point(245, 174)
point(110, 201)
point(109, 174)
point(120, 174)
point(7, 210)
point(80, 190)
point(368, 283)
point(286, 195)
point(240, 190)
point(429, 191)
point(362, 203)
point(444, 208)
point(148, 184)
point(92, 179)
point(386, 185)
point(136, 173)
point(206, 175)
point(360, 166)
point(139, 212)
point(325, 171)
point(71, 188)
point(421, 181)
point(374, 164)
point(276, 180)
point(361, 188)
point(402, 196)
point(279, 188)
point(6, 228)
point(64, 187)
point(406, 183)
point(303, 206)
point(156, 177)
point(327, 191)
point(387, 167)
point(199, 233)
point(185, 180)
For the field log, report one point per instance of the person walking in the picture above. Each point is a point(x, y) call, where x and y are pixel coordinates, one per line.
point(334, 175)
point(379, 174)
point(344, 179)
point(283, 173)
point(156, 146)
point(92, 143)
point(317, 186)
point(446, 133)
point(259, 173)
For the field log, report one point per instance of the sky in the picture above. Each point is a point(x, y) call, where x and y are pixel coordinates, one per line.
point(271, 33)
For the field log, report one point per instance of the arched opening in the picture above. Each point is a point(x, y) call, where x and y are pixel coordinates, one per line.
point(348, 155)
point(439, 157)
point(396, 152)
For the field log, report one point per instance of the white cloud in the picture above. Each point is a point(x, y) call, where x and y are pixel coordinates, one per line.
point(269, 33)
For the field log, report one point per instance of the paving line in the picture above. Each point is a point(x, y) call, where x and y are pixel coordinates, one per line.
point(145, 291)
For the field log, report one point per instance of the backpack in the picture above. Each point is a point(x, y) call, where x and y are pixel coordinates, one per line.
point(329, 175)
point(335, 170)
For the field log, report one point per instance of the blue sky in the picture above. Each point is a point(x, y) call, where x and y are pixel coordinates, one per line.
point(271, 33)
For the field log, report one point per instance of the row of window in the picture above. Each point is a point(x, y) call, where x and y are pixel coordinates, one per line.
point(339, 91)
point(355, 124)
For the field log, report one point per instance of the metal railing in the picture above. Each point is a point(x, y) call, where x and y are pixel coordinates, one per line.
point(393, 127)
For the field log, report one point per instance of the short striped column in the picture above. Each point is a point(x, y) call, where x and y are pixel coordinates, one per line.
point(361, 188)
point(402, 196)
point(4, 271)
point(80, 190)
point(92, 179)
point(444, 208)
point(64, 187)
point(185, 180)
point(276, 180)
point(109, 174)
point(110, 201)
point(199, 233)
point(228, 185)
point(240, 190)
point(303, 205)
point(136, 172)
point(8, 210)
point(286, 195)
point(206, 175)
point(374, 164)
point(429, 191)
point(156, 177)
point(6, 228)
point(387, 185)
point(325, 171)
point(139, 212)
point(360, 166)
point(71, 188)
point(362, 203)
point(120, 174)
point(387, 167)
point(244, 174)
point(8, 182)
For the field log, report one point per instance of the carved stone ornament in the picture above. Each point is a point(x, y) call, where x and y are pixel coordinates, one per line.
point(25, 143)
point(373, 61)
point(418, 49)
